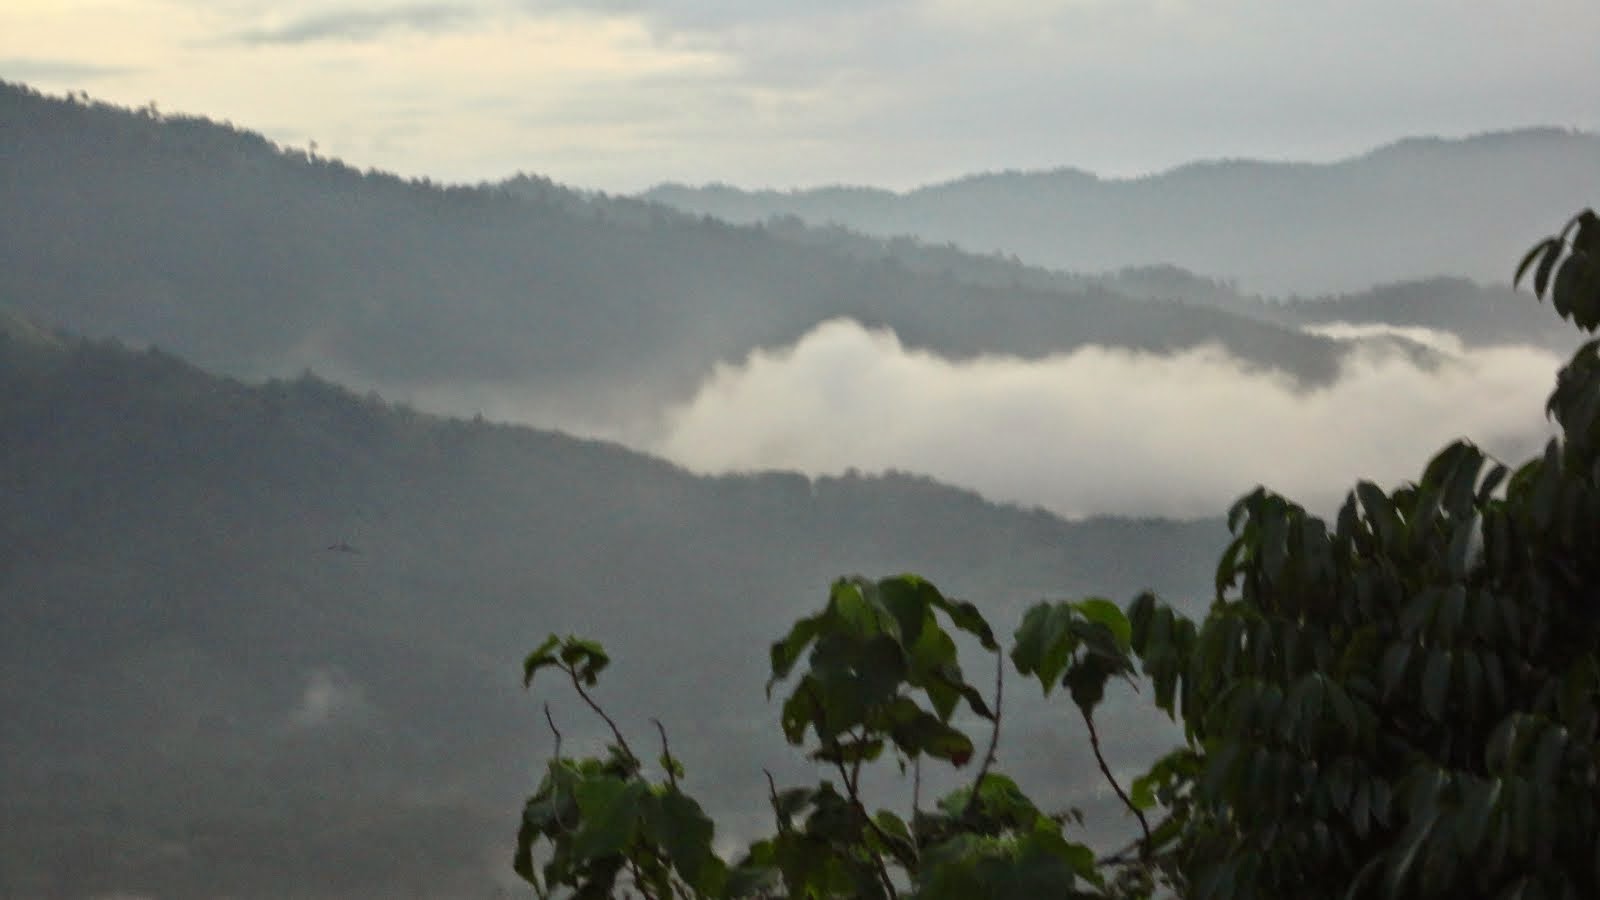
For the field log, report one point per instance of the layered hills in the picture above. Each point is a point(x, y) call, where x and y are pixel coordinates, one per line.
point(255, 260)
point(1417, 208)
point(263, 641)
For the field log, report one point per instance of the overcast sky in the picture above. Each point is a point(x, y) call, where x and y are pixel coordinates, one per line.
point(621, 94)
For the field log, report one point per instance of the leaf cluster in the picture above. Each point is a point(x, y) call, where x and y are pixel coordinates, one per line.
point(1404, 702)
point(875, 671)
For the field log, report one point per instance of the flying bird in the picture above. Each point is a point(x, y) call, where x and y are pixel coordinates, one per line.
point(343, 547)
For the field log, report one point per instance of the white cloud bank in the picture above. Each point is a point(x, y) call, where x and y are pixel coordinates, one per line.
point(1108, 431)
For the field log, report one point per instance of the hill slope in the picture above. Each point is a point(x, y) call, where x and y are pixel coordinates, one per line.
point(203, 694)
point(253, 260)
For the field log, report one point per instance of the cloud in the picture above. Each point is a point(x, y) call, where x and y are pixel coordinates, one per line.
point(719, 15)
point(1443, 342)
point(889, 92)
point(21, 68)
point(358, 24)
point(1103, 430)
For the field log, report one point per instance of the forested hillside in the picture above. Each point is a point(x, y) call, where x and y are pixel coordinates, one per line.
point(211, 242)
point(263, 641)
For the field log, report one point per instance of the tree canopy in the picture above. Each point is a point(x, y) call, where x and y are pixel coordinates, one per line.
point(1403, 702)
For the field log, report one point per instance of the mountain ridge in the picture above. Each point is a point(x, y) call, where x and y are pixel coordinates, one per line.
point(255, 260)
point(1411, 209)
point(1397, 148)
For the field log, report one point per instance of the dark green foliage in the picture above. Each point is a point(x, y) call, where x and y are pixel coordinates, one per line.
point(1402, 704)
point(602, 819)
point(872, 649)
point(1569, 270)
point(882, 675)
point(1084, 644)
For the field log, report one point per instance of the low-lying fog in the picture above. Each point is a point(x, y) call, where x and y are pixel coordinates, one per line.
point(1094, 431)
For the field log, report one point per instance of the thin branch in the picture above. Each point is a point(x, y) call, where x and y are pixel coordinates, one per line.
point(849, 786)
point(994, 734)
point(883, 873)
point(639, 883)
point(916, 786)
point(616, 732)
point(861, 810)
point(772, 792)
point(876, 828)
point(549, 719)
point(1094, 744)
point(855, 769)
point(666, 755)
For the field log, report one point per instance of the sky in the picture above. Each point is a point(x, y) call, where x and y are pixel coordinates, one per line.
point(619, 95)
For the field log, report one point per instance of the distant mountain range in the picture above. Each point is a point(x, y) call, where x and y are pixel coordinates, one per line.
point(1414, 209)
point(254, 260)
point(264, 641)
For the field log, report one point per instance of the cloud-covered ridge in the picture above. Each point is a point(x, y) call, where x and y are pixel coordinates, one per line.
point(1108, 431)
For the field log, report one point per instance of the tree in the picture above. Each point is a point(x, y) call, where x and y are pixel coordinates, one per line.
point(1405, 703)
point(1402, 703)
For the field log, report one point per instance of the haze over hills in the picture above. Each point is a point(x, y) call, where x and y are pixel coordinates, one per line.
point(213, 243)
point(1487, 313)
point(1410, 210)
point(691, 338)
point(205, 694)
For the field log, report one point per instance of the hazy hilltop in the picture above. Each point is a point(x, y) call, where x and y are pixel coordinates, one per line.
point(1417, 208)
point(1478, 313)
point(251, 259)
point(262, 641)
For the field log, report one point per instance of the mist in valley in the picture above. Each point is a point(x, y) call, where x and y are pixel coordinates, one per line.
point(1110, 431)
